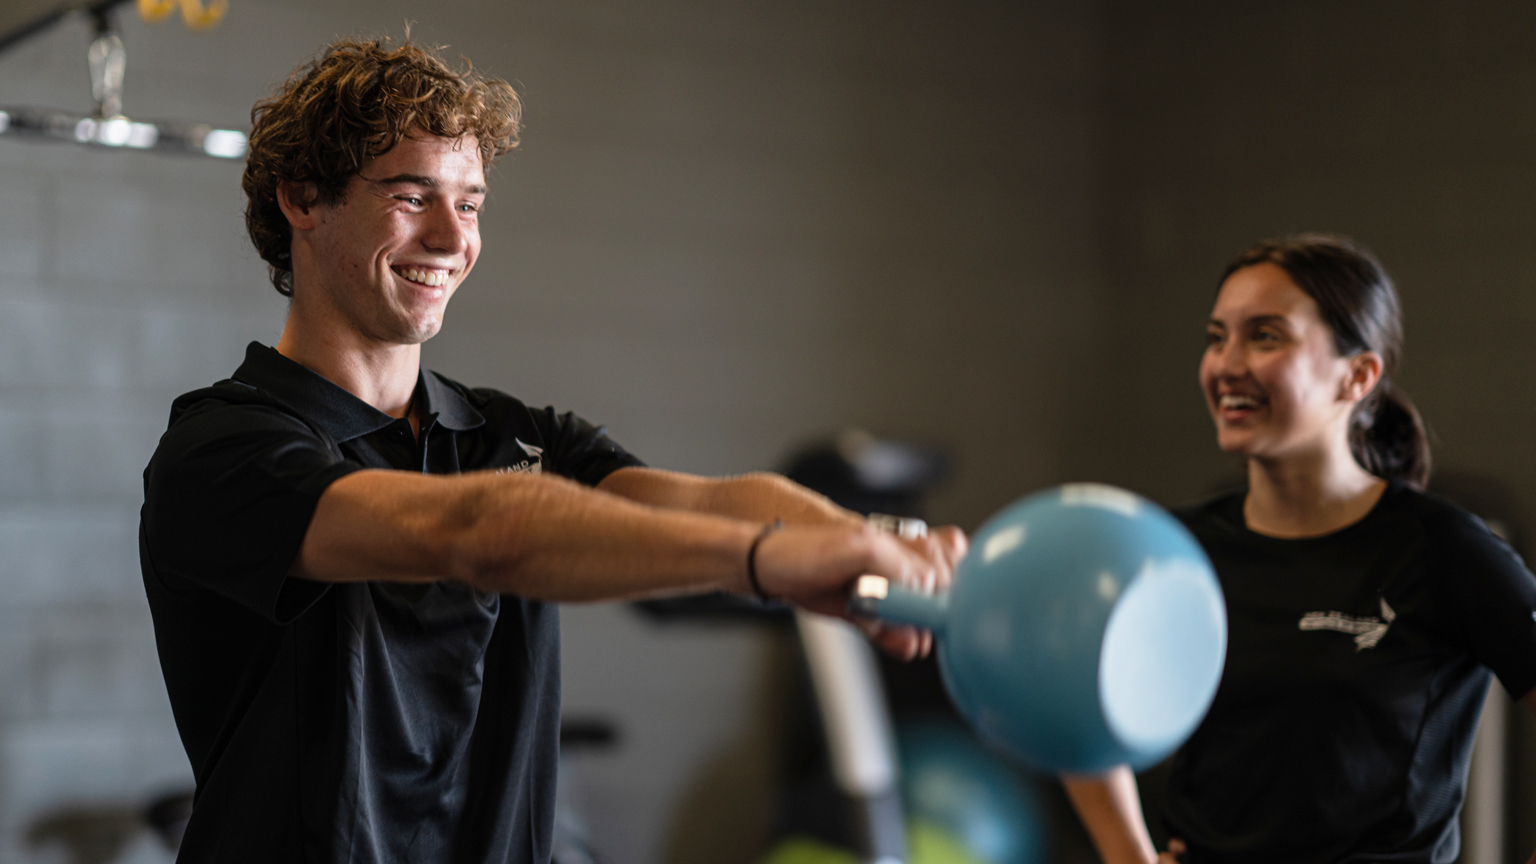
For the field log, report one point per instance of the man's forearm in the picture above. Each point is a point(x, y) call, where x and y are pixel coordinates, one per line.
point(756, 497)
point(541, 537)
point(548, 538)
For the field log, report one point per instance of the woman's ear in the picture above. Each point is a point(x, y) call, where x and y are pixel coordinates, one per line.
point(297, 201)
point(1364, 374)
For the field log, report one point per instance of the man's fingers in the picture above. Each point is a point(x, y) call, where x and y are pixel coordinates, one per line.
point(940, 550)
point(902, 642)
point(815, 568)
point(953, 539)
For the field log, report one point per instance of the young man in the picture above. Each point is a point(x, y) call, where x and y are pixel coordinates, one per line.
point(350, 559)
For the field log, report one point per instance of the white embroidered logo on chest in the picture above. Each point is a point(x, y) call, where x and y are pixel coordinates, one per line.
point(533, 465)
point(1367, 629)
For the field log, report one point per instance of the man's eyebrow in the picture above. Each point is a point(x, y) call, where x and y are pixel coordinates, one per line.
point(412, 179)
point(423, 180)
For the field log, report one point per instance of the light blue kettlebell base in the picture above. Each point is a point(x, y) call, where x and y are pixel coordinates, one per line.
point(1084, 630)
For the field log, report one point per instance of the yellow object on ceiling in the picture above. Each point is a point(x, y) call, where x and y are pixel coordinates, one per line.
point(193, 12)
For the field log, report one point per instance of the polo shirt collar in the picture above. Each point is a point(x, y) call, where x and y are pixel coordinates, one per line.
point(450, 406)
point(341, 414)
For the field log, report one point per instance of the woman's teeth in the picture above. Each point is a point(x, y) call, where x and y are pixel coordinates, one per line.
point(1231, 402)
point(429, 278)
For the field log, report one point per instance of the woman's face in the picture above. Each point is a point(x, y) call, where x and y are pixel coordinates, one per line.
point(1273, 382)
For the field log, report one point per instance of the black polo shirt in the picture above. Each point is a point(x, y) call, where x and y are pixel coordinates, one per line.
point(362, 722)
point(1357, 664)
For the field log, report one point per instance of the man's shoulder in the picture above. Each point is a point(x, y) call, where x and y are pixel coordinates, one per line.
point(230, 405)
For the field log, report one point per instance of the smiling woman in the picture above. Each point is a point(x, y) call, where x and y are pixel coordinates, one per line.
point(1365, 616)
point(1308, 281)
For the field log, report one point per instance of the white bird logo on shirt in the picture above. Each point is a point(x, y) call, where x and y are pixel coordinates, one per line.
point(1367, 629)
point(534, 464)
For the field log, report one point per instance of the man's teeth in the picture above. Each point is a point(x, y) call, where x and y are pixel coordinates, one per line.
point(1231, 402)
point(430, 278)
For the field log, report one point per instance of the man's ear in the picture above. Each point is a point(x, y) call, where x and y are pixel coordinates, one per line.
point(297, 201)
point(1365, 371)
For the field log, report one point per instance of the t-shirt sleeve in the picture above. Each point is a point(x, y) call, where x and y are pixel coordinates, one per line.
point(581, 451)
point(228, 497)
point(1491, 597)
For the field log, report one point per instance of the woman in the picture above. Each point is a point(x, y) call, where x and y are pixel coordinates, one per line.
point(1364, 614)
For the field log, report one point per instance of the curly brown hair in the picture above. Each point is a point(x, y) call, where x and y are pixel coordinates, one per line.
point(352, 103)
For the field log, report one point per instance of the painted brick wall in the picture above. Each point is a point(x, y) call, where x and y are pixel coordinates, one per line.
point(732, 227)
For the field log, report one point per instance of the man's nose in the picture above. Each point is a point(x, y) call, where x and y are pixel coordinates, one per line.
point(446, 232)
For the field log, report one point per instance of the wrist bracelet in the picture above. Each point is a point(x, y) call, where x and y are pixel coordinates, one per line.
point(757, 587)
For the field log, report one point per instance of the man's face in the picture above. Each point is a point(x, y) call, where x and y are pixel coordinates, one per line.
point(391, 253)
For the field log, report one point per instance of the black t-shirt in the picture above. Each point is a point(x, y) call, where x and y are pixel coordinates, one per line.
point(1357, 664)
point(363, 722)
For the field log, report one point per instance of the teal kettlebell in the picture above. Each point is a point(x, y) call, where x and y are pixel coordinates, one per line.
point(1085, 629)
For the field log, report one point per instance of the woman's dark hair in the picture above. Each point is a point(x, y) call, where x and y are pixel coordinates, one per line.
point(1359, 304)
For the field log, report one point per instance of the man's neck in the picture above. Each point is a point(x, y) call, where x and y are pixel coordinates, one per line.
point(1309, 494)
point(383, 375)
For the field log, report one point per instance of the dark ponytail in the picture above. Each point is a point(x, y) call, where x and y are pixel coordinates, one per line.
point(1358, 302)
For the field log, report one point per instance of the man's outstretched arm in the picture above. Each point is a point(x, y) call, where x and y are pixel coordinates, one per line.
point(755, 497)
point(762, 497)
point(544, 537)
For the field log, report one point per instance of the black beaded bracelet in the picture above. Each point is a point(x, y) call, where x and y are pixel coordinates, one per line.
point(757, 587)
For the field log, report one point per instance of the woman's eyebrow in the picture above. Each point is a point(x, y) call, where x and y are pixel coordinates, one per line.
point(1261, 320)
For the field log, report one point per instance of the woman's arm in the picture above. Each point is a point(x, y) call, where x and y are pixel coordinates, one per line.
point(1110, 808)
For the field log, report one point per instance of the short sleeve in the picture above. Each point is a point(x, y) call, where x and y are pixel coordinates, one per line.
point(581, 451)
point(1491, 598)
point(228, 497)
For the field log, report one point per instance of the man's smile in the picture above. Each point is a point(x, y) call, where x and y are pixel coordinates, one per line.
point(432, 277)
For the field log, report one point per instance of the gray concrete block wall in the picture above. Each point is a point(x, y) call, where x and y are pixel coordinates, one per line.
point(731, 227)
point(120, 285)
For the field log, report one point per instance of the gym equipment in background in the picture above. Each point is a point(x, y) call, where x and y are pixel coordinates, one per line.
point(572, 839)
point(954, 787)
point(963, 803)
point(108, 126)
point(865, 474)
point(860, 741)
point(1085, 629)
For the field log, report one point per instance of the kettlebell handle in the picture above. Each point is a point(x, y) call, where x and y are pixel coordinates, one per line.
point(876, 597)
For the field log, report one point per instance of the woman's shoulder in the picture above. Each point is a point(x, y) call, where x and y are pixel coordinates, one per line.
point(1456, 546)
point(1438, 520)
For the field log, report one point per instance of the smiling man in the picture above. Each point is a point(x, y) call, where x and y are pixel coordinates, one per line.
point(351, 561)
